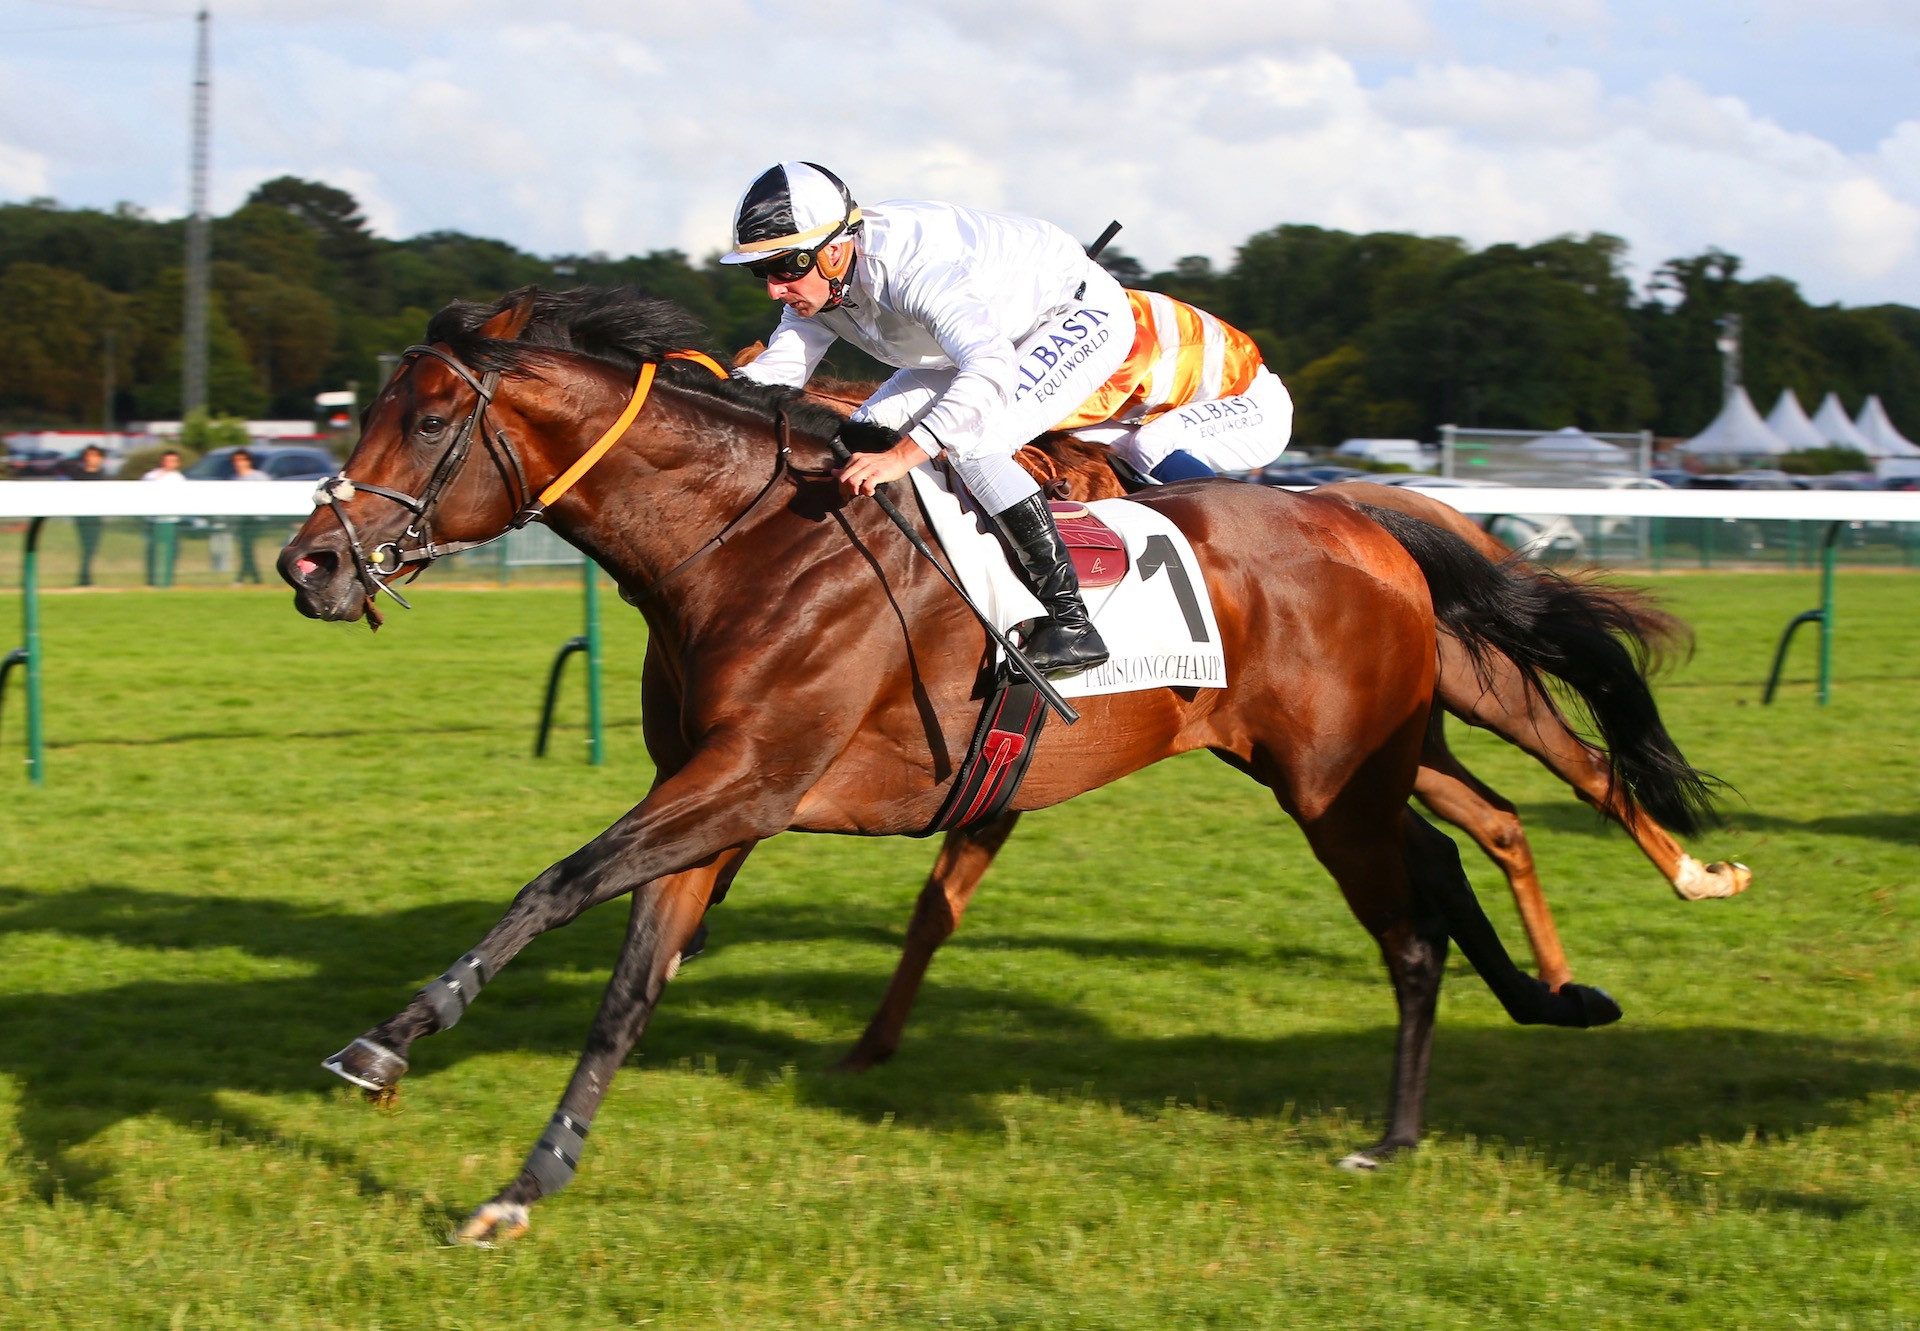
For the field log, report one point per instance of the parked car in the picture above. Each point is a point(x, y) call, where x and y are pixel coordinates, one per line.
point(281, 462)
point(1760, 479)
point(1842, 480)
point(1320, 474)
point(1535, 535)
point(1900, 483)
point(1544, 536)
point(36, 462)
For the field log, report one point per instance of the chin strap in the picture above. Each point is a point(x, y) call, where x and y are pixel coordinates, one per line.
point(837, 283)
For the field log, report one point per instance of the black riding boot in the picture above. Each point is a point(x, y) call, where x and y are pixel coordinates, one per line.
point(1066, 639)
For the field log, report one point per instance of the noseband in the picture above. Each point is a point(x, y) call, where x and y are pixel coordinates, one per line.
point(416, 545)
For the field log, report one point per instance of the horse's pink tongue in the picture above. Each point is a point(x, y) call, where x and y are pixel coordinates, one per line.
point(303, 566)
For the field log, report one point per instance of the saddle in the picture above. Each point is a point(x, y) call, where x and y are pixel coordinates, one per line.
point(1099, 555)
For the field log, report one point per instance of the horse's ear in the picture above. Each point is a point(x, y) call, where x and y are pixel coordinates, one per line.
point(747, 355)
point(507, 325)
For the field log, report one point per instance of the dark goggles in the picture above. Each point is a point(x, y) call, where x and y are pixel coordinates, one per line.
point(787, 266)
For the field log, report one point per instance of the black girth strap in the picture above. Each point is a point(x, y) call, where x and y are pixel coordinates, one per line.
point(997, 759)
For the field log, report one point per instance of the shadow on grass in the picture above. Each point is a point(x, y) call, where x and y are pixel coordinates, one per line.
point(85, 1061)
point(1900, 828)
point(1573, 819)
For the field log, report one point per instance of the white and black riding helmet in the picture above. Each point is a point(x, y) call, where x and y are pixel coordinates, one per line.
point(789, 214)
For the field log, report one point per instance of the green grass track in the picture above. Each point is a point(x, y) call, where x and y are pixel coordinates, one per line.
point(1120, 1099)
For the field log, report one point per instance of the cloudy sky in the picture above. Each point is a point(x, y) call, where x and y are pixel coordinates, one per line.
point(1785, 131)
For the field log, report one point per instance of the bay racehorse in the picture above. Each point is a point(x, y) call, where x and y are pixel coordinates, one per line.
point(1488, 691)
point(814, 673)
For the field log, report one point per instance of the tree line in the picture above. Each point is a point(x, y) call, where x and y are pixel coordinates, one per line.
point(1385, 335)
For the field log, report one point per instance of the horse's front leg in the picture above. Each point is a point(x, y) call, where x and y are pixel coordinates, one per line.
point(665, 914)
point(704, 817)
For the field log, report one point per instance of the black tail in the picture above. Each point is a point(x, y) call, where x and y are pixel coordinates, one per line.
point(1594, 642)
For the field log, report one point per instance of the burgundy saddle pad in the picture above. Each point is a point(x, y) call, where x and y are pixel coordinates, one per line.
point(1099, 555)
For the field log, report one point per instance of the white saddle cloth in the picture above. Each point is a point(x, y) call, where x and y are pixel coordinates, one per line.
point(1157, 621)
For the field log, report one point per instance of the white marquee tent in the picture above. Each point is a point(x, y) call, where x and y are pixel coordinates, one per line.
point(1788, 419)
point(1878, 427)
point(1835, 427)
point(1737, 431)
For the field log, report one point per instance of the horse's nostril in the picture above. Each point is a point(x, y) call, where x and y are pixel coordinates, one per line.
point(308, 568)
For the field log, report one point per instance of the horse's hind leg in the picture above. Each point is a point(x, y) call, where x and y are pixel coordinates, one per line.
point(665, 914)
point(1451, 792)
point(377, 1060)
point(965, 856)
point(1411, 894)
point(1442, 885)
point(1375, 874)
point(1501, 701)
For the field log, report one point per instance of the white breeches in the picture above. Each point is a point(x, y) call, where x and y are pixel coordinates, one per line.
point(1229, 434)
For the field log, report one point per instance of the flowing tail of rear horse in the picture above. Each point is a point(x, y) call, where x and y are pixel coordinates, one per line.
point(1593, 643)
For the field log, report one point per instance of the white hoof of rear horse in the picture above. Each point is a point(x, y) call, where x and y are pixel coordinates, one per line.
point(496, 1222)
point(1358, 1163)
point(1710, 882)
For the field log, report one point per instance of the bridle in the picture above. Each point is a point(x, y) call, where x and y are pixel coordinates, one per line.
point(376, 569)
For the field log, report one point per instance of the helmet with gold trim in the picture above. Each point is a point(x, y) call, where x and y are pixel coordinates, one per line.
point(789, 214)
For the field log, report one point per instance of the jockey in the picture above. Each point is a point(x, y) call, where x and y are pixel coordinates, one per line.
point(1001, 329)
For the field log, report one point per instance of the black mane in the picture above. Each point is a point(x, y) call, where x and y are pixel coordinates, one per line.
point(623, 326)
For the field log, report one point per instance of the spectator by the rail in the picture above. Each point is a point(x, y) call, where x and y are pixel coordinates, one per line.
point(168, 469)
point(246, 528)
point(163, 541)
point(91, 465)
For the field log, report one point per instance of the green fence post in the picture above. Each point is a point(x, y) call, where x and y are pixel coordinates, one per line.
point(596, 731)
point(162, 550)
point(30, 620)
point(1826, 611)
point(28, 653)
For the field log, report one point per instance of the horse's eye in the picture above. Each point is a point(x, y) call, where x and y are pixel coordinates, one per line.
point(431, 424)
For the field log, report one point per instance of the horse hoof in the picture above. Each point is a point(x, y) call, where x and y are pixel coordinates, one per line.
point(861, 1058)
point(1595, 1006)
point(369, 1066)
point(496, 1222)
point(1711, 882)
point(1380, 1153)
